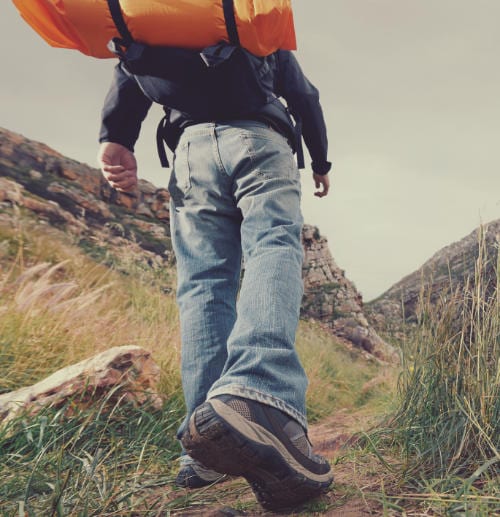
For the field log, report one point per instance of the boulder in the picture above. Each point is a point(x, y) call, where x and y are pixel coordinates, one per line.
point(127, 371)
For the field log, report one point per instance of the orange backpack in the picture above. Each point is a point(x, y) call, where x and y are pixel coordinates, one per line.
point(263, 26)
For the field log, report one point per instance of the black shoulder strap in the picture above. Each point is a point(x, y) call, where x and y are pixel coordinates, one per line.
point(160, 142)
point(119, 20)
point(230, 18)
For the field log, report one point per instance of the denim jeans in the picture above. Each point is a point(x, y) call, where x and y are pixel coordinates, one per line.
point(235, 193)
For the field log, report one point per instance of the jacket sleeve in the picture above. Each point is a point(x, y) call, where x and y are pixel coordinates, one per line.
point(125, 107)
point(302, 99)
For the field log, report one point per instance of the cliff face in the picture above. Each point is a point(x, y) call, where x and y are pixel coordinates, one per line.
point(76, 187)
point(51, 189)
point(75, 197)
point(445, 273)
point(333, 299)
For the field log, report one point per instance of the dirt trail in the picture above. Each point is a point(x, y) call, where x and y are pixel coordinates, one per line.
point(234, 498)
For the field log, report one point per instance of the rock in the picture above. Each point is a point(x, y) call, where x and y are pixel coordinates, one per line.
point(160, 201)
point(146, 187)
point(84, 200)
point(144, 210)
point(446, 273)
point(334, 300)
point(20, 153)
point(158, 231)
point(129, 370)
point(10, 191)
point(36, 175)
point(163, 215)
point(129, 201)
point(54, 213)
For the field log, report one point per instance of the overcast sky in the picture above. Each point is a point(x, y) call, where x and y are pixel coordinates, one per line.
point(410, 90)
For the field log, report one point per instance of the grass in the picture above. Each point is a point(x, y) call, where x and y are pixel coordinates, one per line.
point(438, 453)
point(340, 379)
point(447, 428)
point(58, 306)
point(94, 463)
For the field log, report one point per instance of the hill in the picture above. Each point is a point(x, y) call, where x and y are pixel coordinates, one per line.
point(451, 270)
point(114, 227)
point(84, 269)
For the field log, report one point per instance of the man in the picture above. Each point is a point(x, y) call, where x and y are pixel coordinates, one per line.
point(235, 194)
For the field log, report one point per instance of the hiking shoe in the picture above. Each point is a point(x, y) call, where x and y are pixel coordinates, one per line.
point(195, 475)
point(269, 449)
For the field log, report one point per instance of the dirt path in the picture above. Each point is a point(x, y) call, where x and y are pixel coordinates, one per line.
point(353, 477)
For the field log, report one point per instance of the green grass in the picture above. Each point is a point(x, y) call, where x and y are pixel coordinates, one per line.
point(340, 379)
point(446, 431)
point(58, 305)
point(98, 462)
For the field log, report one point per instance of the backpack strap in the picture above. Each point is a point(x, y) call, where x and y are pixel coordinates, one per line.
point(298, 143)
point(119, 21)
point(160, 142)
point(230, 19)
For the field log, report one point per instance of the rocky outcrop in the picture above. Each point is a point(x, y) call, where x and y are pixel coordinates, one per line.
point(120, 374)
point(445, 273)
point(74, 196)
point(77, 187)
point(332, 298)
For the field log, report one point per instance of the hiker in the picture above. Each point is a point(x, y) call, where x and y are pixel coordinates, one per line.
point(235, 196)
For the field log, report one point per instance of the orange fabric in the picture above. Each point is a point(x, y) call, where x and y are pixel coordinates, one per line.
point(87, 26)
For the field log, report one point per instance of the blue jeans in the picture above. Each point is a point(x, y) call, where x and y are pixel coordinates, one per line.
point(235, 193)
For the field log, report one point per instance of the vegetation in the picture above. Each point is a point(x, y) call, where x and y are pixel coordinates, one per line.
point(60, 303)
point(447, 428)
point(439, 452)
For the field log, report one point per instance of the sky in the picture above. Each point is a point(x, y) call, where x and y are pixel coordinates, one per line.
point(410, 91)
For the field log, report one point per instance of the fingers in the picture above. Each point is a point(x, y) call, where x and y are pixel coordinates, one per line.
point(120, 179)
point(323, 183)
point(113, 169)
point(118, 166)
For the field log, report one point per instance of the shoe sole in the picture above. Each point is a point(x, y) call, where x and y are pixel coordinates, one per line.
point(223, 440)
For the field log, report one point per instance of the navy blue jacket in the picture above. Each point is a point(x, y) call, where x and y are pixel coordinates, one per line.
point(126, 106)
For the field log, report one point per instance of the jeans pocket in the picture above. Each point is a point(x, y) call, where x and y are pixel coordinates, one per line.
point(180, 178)
point(271, 155)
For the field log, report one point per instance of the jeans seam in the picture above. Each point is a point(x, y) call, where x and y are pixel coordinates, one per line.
point(218, 159)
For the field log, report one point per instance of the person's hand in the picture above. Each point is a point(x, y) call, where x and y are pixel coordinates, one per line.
point(323, 182)
point(118, 166)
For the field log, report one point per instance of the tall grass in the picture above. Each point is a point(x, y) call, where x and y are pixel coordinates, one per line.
point(448, 424)
point(58, 306)
point(340, 379)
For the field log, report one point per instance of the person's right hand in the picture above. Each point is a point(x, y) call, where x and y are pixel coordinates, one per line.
point(118, 166)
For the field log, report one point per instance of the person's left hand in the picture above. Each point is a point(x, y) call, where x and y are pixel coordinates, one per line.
point(118, 166)
point(323, 182)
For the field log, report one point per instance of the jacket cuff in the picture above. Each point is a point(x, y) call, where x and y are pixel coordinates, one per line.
point(321, 168)
point(107, 138)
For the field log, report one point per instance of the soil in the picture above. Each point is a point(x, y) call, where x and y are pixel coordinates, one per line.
point(357, 479)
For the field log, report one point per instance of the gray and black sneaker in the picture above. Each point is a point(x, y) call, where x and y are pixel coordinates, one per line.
point(195, 475)
point(269, 449)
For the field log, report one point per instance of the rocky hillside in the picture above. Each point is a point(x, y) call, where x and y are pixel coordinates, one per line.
point(39, 183)
point(447, 272)
point(330, 297)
